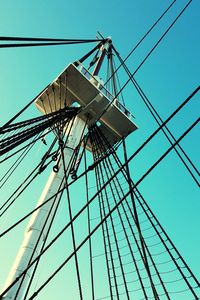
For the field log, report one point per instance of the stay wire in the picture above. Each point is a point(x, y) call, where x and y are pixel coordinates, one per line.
point(145, 35)
point(78, 157)
point(90, 53)
point(37, 243)
point(51, 223)
point(98, 139)
point(159, 120)
point(167, 238)
point(119, 215)
point(89, 227)
point(83, 58)
point(144, 258)
point(101, 179)
point(40, 167)
point(118, 82)
point(140, 234)
point(15, 165)
point(47, 119)
point(54, 207)
point(7, 145)
point(153, 166)
point(107, 84)
point(155, 228)
point(44, 243)
point(16, 140)
point(11, 38)
point(23, 109)
point(144, 60)
point(104, 228)
point(108, 215)
point(31, 121)
point(72, 226)
point(40, 136)
point(128, 160)
point(22, 45)
point(112, 70)
point(113, 229)
point(107, 245)
point(45, 89)
point(99, 224)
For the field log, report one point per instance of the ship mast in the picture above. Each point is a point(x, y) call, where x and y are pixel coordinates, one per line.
point(74, 131)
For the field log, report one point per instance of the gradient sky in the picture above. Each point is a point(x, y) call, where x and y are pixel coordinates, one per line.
point(170, 75)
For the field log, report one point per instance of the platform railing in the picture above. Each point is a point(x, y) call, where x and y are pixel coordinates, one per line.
point(104, 91)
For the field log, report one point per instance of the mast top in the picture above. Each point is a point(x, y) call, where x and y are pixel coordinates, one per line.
point(76, 86)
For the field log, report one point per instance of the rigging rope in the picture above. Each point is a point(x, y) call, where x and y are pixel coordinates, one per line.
point(11, 38)
point(46, 88)
point(159, 120)
point(124, 164)
point(89, 227)
point(52, 211)
point(105, 231)
point(40, 167)
point(90, 233)
point(103, 220)
point(33, 44)
point(99, 224)
point(72, 226)
point(136, 220)
point(14, 166)
point(121, 223)
point(144, 60)
point(145, 35)
point(10, 143)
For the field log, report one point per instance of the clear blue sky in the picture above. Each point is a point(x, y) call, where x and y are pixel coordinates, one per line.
point(168, 77)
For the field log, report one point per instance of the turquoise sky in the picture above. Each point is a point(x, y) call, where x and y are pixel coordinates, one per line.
point(170, 75)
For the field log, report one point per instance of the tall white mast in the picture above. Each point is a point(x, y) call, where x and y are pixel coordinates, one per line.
point(30, 247)
point(115, 122)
